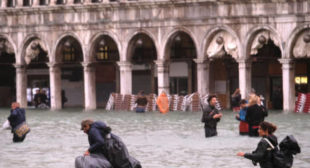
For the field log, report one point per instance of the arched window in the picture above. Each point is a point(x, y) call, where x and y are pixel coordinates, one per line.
point(60, 2)
point(10, 3)
point(102, 51)
point(26, 2)
point(42, 2)
point(77, 1)
point(69, 52)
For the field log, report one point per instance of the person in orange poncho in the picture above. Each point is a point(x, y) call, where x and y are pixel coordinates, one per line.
point(163, 103)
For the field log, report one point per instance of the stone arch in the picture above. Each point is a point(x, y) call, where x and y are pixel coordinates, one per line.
point(252, 37)
point(128, 46)
point(12, 45)
point(297, 38)
point(28, 40)
point(95, 37)
point(168, 41)
point(213, 33)
point(59, 40)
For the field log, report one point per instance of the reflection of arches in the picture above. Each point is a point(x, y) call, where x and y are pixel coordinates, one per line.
point(259, 36)
point(219, 39)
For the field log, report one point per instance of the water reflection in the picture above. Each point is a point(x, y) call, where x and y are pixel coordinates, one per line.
point(175, 140)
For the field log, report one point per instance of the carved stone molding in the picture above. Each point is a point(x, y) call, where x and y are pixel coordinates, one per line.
point(221, 44)
point(261, 39)
point(34, 49)
point(88, 66)
point(301, 47)
point(287, 64)
point(124, 66)
point(54, 67)
point(20, 68)
point(162, 66)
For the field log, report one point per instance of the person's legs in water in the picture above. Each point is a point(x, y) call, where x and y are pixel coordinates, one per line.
point(140, 109)
point(18, 139)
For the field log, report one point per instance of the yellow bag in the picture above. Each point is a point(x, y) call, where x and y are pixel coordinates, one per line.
point(22, 129)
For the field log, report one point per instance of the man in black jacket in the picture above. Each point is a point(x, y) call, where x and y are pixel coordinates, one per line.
point(95, 137)
point(210, 117)
point(16, 118)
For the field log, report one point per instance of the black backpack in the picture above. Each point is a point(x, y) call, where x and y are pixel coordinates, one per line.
point(283, 158)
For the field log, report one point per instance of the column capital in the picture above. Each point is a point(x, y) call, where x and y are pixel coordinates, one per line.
point(286, 61)
point(161, 62)
point(88, 66)
point(162, 66)
point(19, 66)
point(243, 60)
point(124, 63)
point(53, 64)
point(54, 67)
point(201, 61)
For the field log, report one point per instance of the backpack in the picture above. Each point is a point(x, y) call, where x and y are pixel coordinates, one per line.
point(283, 158)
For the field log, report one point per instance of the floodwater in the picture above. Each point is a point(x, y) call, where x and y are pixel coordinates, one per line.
point(174, 140)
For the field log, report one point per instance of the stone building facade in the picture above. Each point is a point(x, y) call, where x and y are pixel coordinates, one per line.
point(175, 46)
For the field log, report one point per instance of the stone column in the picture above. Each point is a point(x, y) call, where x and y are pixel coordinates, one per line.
point(162, 76)
point(288, 84)
point(21, 85)
point(125, 69)
point(245, 80)
point(89, 86)
point(55, 86)
point(203, 76)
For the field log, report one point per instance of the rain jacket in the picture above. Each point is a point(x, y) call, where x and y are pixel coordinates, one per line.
point(263, 153)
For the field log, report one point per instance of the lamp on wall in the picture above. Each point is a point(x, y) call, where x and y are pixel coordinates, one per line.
point(139, 42)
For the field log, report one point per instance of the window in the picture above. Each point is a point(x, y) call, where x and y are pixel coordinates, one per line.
point(77, 1)
point(102, 53)
point(60, 2)
point(95, 1)
point(42, 2)
point(10, 3)
point(26, 2)
point(68, 52)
